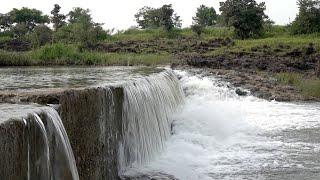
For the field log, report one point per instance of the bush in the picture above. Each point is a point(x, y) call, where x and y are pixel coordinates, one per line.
point(308, 19)
point(246, 16)
point(308, 87)
point(55, 51)
point(15, 59)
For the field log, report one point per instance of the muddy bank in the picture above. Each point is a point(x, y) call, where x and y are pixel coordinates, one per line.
point(256, 62)
point(259, 84)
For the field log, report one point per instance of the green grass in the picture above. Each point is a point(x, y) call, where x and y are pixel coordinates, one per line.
point(307, 86)
point(16, 59)
point(271, 44)
point(60, 54)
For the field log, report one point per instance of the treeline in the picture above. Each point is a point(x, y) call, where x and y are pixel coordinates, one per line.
point(246, 17)
point(32, 25)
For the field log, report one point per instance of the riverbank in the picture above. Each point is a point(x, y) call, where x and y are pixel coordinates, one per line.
point(290, 62)
point(259, 84)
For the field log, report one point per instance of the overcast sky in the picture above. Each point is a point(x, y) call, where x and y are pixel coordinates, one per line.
point(119, 14)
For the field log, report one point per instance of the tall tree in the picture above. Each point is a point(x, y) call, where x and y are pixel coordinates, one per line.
point(205, 16)
point(29, 17)
point(80, 15)
point(81, 29)
point(161, 17)
point(246, 16)
point(42, 35)
point(308, 19)
point(57, 19)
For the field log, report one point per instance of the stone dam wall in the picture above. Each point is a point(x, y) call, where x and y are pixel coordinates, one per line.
point(96, 125)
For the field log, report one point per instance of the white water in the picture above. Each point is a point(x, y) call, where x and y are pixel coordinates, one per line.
point(147, 109)
point(218, 135)
point(54, 158)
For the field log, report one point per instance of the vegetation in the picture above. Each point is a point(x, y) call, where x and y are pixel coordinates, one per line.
point(308, 19)
point(163, 17)
point(246, 16)
point(205, 16)
point(308, 87)
point(28, 30)
point(241, 35)
point(61, 54)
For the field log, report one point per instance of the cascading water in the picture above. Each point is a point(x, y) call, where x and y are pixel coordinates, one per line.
point(149, 128)
point(147, 109)
point(51, 156)
point(219, 135)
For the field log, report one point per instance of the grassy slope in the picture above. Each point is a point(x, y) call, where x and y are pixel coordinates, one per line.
point(60, 54)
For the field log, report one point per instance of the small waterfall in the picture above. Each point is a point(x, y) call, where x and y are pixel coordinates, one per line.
point(147, 107)
point(51, 156)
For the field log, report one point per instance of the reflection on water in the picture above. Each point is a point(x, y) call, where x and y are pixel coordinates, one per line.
point(67, 77)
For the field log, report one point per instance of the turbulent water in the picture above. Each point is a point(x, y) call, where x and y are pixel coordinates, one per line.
point(147, 109)
point(191, 128)
point(218, 135)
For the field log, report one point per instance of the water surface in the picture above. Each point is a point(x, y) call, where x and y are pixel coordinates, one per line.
point(218, 135)
point(30, 78)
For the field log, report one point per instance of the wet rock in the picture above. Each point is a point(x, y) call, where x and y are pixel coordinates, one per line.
point(241, 92)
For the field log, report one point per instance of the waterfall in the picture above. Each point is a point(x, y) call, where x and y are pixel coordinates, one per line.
point(110, 128)
point(146, 120)
point(51, 156)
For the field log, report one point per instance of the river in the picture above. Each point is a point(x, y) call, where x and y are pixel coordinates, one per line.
point(212, 134)
point(219, 135)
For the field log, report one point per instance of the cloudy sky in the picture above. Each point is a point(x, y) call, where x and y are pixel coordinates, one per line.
point(119, 14)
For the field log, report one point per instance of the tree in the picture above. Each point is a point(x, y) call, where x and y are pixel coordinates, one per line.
point(155, 18)
point(79, 15)
point(42, 35)
point(198, 29)
point(5, 22)
point(205, 16)
point(29, 17)
point(20, 30)
point(57, 19)
point(246, 16)
point(81, 29)
point(308, 19)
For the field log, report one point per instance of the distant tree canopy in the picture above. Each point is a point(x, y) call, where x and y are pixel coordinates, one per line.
point(164, 16)
point(308, 19)
point(29, 17)
point(80, 29)
point(57, 19)
point(246, 16)
point(205, 16)
point(31, 25)
point(42, 35)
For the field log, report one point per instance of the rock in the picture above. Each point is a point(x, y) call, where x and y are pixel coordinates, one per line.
point(295, 53)
point(241, 92)
point(310, 49)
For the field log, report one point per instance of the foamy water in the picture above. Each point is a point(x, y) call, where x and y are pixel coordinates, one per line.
point(218, 135)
